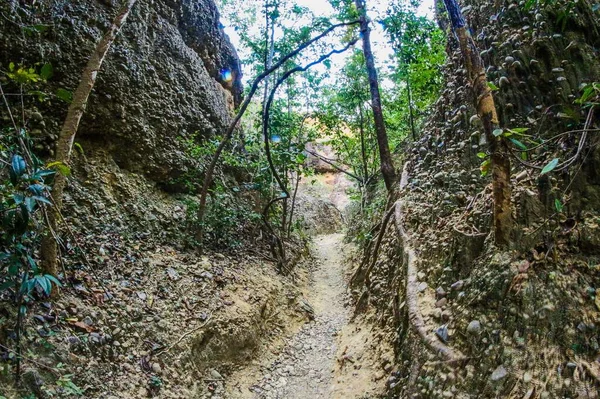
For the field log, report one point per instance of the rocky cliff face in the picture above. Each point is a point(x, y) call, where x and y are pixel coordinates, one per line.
point(535, 301)
point(171, 73)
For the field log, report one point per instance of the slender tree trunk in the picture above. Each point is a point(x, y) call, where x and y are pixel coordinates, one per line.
point(387, 166)
point(486, 109)
point(293, 207)
point(410, 108)
point(269, 48)
point(363, 145)
point(64, 146)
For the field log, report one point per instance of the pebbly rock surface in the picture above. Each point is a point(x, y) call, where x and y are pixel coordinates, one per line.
point(170, 74)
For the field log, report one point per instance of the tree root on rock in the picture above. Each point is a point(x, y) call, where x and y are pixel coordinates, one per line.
point(412, 302)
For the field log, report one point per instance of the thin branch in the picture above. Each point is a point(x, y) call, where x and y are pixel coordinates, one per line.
point(327, 161)
point(227, 136)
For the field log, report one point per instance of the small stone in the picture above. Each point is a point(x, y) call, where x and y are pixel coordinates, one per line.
point(499, 373)
point(441, 303)
point(527, 377)
point(440, 293)
point(215, 374)
point(442, 333)
point(422, 286)
point(156, 368)
point(458, 285)
point(474, 327)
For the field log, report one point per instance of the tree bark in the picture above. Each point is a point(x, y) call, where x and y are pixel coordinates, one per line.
point(387, 165)
point(410, 108)
point(64, 146)
point(363, 145)
point(486, 109)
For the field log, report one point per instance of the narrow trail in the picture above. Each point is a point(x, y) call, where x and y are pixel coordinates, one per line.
point(304, 369)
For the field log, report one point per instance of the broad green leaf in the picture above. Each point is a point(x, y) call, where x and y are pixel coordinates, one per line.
point(45, 200)
point(498, 132)
point(54, 280)
point(518, 144)
point(481, 155)
point(64, 95)
point(493, 87)
point(558, 205)
point(30, 204)
point(485, 167)
point(18, 165)
point(550, 166)
point(47, 71)
point(60, 167)
point(44, 283)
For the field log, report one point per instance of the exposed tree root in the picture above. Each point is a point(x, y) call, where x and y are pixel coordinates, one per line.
point(384, 223)
point(367, 255)
point(414, 314)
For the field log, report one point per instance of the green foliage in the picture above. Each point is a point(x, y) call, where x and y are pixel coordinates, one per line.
point(22, 194)
point(550, 166)
point(68, 387)
point(419, 52)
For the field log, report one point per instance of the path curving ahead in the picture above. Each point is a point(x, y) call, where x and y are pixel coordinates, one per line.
point(304, 369)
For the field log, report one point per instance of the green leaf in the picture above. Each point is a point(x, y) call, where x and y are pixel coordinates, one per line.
point(44, 200)
point(32, 263)
point(498, 132)
point(481, 155)
point(53, 279)
point(44, 283)
point(493, 87)
point(64, 95)
point(11, 66)
point(30, 204)
point(518, 144)
point(550, 167)
point(78, 147)
point(18, 165)
point(60, 167)
point(485, 167)
point(519, 130)
point(558, 205)
point(47, 71)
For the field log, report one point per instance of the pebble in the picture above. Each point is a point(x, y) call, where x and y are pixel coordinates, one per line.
point(474, 327)
point(215, 374)
point(499, 373)
point(156, 368)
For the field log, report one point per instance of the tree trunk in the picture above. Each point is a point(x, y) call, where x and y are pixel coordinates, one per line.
point(410, 109)
point(64, 146)
point(363, 145)
point(486, 109)
point(387, 166)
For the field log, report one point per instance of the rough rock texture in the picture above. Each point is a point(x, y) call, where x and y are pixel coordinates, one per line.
point(171, 72)
point(536, 304)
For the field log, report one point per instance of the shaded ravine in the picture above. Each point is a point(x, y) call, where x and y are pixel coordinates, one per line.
point(304, 369)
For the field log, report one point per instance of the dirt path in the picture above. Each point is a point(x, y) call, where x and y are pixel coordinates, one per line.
point(305, 367)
